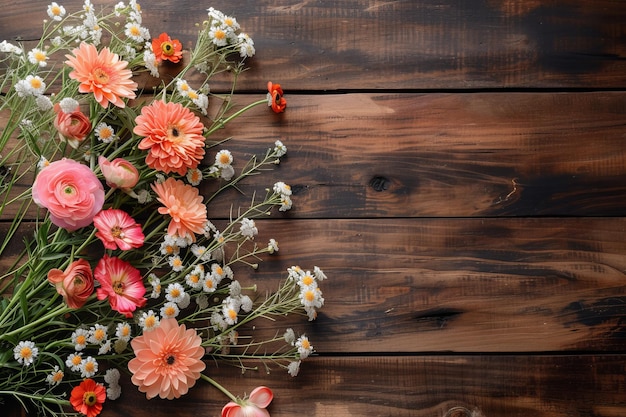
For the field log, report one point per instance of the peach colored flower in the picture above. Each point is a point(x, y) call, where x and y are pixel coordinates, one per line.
point(118, 173)
point(117, 229)
point(70, 191)
point(88, 397)
point(167, 49)
point(275, 98)
point(73, 127)
point(172, 135)
point(254, 406)
point(104, 74)
point(168, 360)
point(75, 284)
point(183, 203)
point(121, 283)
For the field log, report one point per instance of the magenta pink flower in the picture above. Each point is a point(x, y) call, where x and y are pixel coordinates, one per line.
point(118, 173)
point(116, 229)
point(70, 191)
point(121, 283)
point(254, 406)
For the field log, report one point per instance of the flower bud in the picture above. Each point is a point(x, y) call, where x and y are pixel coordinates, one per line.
point(119, 173)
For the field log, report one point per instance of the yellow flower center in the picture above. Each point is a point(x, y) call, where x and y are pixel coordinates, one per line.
point(232, 314)
point(220, 34)
point(134, 30)
point(90, 367)
point(307, 280)
point(99, 334)
point(208, 283)
point(219, 270)
point(309, 295)
point(118, 287)
point(224, 159)
point(194, 278)
point(125, 331)
point(81, 340)
point(116, 231)
point(305, 344)
point(40, 56)
point(192, 95)
point(105, 133)
point(58, 376)
point(35, 83)
point(150, 322)
point(76, 360)
point(26, 352)
point(100, 76)
point(167, 48)
point(170, 311)
point(175, 293)
point(89, 398)
point(55, 10)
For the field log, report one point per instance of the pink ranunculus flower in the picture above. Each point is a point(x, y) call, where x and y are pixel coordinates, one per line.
point(75, 284)
point(70, 191)
point(254, 406)
point(73, 127)
point(121, 283)
point(117, 229)
point(118, 173)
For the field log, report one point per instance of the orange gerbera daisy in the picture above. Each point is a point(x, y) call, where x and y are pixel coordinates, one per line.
point(87, 398)
point(167, 49)
point(173, 136)
point(104, 74)
point(184, 205)
point(168, 360)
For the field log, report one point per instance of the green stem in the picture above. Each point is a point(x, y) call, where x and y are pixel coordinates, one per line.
point(219, 387)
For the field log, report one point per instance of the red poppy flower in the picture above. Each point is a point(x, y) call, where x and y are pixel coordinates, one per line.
point(88, 397)
point(275, 97)
point(166, 48)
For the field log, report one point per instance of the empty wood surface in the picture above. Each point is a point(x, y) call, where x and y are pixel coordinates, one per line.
point(459, 172)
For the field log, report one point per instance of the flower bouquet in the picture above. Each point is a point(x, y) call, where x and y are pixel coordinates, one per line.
point(124, 274)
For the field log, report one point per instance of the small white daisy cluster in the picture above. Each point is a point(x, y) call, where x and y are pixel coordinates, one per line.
point(112, 378)
point(310, 294)
point(86, 366)
point(224, 30)
point(198, 97)
point(25, 352)
point(223, 165)
point(284, 191)
point(303, 349)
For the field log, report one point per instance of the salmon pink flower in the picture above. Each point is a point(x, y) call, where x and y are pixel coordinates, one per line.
point(118, 173)
point(73, 126)
point(88, 397)
point(70, 191)
point(121, 283)
point(275, 97)
point(116, 229)
point(172, 136)
point(183, 203)
point(254, 406)
point(167, 49)
point(102, 73)
point(168, 360)
point(75, 284)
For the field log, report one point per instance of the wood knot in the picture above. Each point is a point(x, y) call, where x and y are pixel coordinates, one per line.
point(463, 412)
point(380, 183)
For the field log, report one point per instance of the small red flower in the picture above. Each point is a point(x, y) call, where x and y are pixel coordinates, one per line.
point(88, 397)
point(121, 283)
point(167, 49)
point(275, 97)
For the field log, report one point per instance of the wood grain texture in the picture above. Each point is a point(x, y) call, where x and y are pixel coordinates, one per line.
point(419, 386)
point(373, 44)
point(429, 155)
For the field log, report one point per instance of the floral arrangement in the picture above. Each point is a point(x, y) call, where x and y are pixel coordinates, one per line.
point(125, 274)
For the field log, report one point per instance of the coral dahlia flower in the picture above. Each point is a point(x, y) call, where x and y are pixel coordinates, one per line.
point(167, 49)
point(88, 397)
point(183, 203)
point(168, 360)
point(172, 136)
point(117, 229)
point(121, 283)
point(104, 74)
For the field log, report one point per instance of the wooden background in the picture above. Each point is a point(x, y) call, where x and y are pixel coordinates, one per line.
point(459, 172)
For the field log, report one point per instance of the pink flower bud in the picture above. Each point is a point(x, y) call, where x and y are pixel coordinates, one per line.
point(119, 173)
point(73, 127)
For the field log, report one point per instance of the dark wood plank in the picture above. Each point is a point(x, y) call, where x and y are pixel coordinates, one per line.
point(421, 386)
point(363, 44)
point(417, 155)
point(454, 285)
